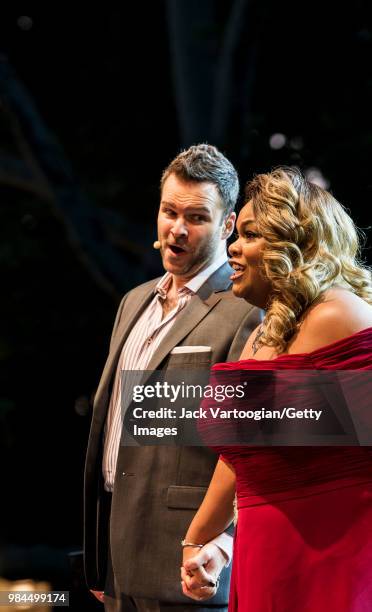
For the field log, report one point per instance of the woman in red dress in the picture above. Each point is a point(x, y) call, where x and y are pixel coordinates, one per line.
point(303, 541)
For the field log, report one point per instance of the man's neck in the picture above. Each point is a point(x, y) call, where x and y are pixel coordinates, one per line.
point(178, 282)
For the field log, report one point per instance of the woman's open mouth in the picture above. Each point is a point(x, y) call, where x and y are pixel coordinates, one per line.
point(238, 270)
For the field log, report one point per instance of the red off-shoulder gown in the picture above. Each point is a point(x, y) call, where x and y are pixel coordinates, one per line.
point(303, 541)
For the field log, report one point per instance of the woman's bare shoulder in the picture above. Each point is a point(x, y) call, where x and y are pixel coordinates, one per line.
point(339, 315)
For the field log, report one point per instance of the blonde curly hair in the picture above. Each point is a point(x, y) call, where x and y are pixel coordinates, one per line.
point(311, 245)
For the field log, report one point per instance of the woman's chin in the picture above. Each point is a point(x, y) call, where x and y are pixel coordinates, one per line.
point(239, 290)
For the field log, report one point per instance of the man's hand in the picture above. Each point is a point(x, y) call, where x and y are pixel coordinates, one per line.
point(200, 571)
point(99, 595)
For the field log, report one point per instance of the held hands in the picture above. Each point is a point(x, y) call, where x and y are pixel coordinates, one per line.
point(200, 571)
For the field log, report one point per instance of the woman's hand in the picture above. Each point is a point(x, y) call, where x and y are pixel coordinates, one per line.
point(200, 571)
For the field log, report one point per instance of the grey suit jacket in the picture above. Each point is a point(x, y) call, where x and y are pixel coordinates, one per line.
point(158, 488)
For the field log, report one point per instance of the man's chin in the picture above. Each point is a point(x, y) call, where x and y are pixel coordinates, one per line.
point(187, 269)
point(176, 270)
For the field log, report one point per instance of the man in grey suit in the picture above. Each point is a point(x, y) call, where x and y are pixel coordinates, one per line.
point(139, 500)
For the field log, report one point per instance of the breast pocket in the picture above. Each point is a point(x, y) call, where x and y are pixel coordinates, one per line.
point(190, 360)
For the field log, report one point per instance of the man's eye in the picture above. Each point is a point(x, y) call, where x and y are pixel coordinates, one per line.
point(197, 217)
point(169, 212)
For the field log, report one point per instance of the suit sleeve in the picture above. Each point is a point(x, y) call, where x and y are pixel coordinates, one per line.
point(248, 324)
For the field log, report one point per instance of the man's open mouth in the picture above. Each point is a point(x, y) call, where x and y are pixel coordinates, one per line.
point(176, 250)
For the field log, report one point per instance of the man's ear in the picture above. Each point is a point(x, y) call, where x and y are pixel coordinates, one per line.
point(228, 225)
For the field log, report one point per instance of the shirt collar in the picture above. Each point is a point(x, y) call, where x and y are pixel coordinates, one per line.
point(194, 284)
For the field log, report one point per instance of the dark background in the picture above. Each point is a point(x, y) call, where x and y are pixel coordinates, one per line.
point(94, 103)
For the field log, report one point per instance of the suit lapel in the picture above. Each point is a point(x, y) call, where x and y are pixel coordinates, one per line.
point(194, 312)
point(138, 305)
point(136, 308)
point(199, 306)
